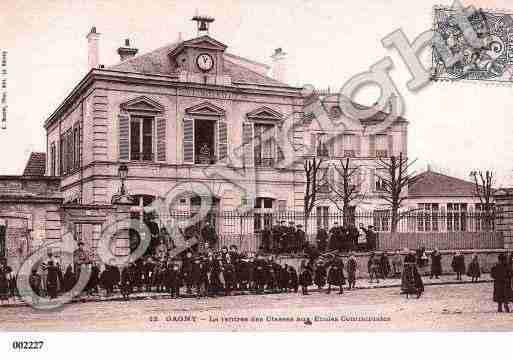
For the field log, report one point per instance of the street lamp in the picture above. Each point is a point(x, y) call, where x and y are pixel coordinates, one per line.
point(123, 174)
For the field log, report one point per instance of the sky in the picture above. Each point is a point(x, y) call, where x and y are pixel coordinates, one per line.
point(454, 127)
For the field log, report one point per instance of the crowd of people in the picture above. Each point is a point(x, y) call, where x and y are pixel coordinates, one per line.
point(204, 271)
point(291, 239)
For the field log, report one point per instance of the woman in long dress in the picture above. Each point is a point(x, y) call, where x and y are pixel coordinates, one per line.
point(411, 281)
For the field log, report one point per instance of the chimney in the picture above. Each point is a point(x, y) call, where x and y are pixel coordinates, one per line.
point(126, 52)
point(93, 56)
point(279, 67)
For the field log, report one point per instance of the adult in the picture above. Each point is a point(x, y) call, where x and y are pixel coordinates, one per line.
point(336, 276)
point(474, 269)
point(322, 239)
point(436, 264)
point(502, 292)
point(458, 264)
point(372, 238)
point(209, 234)
point(4, 279)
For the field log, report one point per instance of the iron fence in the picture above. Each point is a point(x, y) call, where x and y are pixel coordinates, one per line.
point(436, 229)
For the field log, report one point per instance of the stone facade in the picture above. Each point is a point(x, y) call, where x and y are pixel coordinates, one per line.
point(92, 131)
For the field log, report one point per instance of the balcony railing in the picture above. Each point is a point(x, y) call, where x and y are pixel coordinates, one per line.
point(264, 161)
point(142, 156)
point(349, 153)
point(381, 153)
point(205, 160)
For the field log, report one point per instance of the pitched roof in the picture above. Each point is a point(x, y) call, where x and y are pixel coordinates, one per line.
point(36, 164)
point(433, 184)
point(157, 62)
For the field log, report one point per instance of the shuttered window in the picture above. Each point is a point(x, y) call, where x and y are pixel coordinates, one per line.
point(247, 142)
point(124, 139)
point(188, 140)
point(222, 135)
point(161, 139)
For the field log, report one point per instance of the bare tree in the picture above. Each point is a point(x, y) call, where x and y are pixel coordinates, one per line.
point(483, 189)
point(395, 176)
point(346, 190)
point(315, 179)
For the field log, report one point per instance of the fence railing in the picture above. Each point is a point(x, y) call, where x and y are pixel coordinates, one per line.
point(434, 229)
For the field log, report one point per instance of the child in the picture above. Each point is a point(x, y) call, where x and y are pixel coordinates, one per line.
point(305, 277)
point(397, 264)
point(474, 270)
point(351, 271)
point(336, 276)
point(320, 275)
point(35, 282)
point(373, 267)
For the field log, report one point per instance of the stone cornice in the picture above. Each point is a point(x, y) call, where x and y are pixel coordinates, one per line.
point(162, 80)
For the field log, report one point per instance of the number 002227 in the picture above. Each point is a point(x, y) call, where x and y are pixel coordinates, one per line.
point(27, 345)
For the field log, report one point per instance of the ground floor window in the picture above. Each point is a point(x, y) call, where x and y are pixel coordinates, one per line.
point(456, 217)
point(261, 218)
point(427, 217)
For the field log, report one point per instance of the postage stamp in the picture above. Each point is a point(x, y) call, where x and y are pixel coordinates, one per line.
point(492, 61)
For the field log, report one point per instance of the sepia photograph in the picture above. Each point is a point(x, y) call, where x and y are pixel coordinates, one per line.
point(255, 166)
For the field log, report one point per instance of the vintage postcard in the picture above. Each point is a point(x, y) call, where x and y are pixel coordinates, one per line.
point(255, 166)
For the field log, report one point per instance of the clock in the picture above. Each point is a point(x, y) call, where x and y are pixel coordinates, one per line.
point(205, 62)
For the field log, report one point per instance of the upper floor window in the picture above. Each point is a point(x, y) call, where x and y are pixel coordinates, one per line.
point(264, 148)
point(381, 146)
point(379, 183)
point(349, 145)
point(53, 155)
point(142, 130)
point(141, 138)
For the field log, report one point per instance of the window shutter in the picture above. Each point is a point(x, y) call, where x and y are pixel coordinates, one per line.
point(188, 140)
point(247, 142)
point(124, 137)
point(313, 143)
point(161, 138)
point(222, 135)
point(357, 144)
point(331, 175)
point(373, 180)
point(390, 145)
point(372, 146)
point(277, 140)
point(331, 147)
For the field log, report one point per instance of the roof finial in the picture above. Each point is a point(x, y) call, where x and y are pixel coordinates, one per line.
point(429, 167)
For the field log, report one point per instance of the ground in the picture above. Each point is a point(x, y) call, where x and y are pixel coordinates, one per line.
point(442, 307)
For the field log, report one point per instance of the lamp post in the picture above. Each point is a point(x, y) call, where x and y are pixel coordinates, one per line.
point(123, 174)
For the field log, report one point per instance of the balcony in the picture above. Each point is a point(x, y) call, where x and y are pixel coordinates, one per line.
point(205, 160)
point(381, 153)
point(264, 161)
point(349, 153)
point(322, 152)
point(142, 156)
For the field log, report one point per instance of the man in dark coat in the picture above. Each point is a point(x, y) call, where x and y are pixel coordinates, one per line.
point(283, 278)
point(187, 272)
point(352, 237)
point(266, 235)
point(300, 238)
point(172, 279)
point(384, 265)
point(372, 238)
point(276, 236)
point(502, 291)
point(320, 275)
point(209, 235)
point(259, 273)
point(293, 279)
point(290, 239)
point(322, 239)
point(436, 264)
point(334, 237)
point(52, 280)
point(458, 264)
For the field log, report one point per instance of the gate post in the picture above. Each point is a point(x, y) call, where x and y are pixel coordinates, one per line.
point(504, 215)
point(121, 212)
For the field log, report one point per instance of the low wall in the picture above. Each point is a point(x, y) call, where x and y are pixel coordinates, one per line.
point(441, 240)
point(487, 258)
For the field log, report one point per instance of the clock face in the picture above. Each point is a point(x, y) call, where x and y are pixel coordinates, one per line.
point(205, 62)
